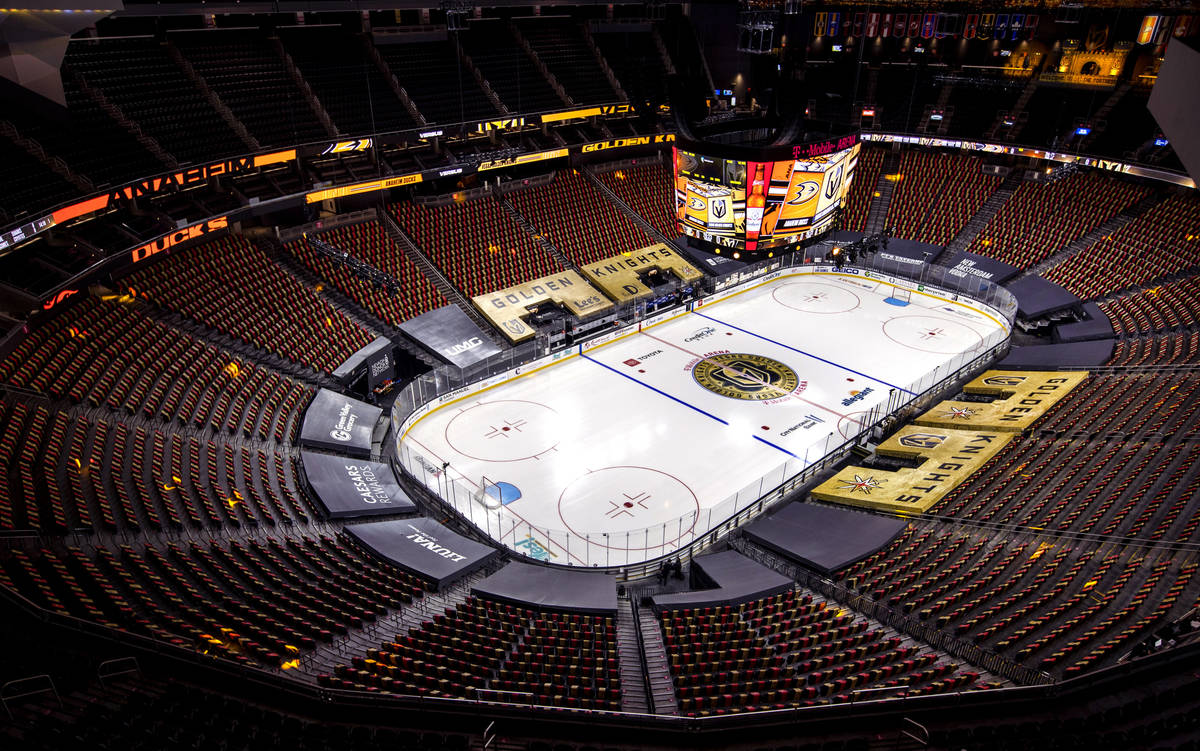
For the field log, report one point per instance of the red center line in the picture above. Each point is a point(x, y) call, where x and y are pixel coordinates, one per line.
point(506, 509)
point(750, 376)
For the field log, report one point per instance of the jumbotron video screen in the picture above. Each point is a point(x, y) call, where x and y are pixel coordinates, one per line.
point(759, 205)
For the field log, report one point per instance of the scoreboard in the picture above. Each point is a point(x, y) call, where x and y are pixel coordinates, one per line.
point(762, 201)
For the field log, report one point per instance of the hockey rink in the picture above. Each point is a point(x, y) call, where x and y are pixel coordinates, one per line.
point(629, 449)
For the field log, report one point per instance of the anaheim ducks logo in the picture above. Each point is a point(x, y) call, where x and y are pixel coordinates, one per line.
point(696, 204)
point(805, 192)
point(742, 376)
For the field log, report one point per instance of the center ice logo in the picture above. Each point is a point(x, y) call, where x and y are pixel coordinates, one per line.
point(743, 376)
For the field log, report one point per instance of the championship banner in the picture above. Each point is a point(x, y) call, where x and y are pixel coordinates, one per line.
point(618, 276)
point(1001, 27)
point(901, 25)
point(351, 488)
point(819, 24)
point(928, 26)
point(1016, 22)
point(986, 20)
point(335, 422)
point(914, 24)
point(507, 307)
point(859, 18)
point(1148, 29)
point(948, 457)
point(885, 26)
point(872, 24)
point(972, 23)
point(834, 23)
point(1023, 396)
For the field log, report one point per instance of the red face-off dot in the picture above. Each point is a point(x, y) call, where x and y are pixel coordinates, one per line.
point(506, 428)
point(766, 427)
point(628, 504)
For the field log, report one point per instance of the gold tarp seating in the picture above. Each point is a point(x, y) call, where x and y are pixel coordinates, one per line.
point(950, 441)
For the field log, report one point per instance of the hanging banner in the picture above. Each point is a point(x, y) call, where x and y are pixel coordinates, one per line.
point(1015, 23)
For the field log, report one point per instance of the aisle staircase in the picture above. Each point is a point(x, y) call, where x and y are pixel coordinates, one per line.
point(877, 214)
point(634, 694)
point(658, 670)
point(986, 213)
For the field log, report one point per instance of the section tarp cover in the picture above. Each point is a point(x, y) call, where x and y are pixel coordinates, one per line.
point(375, 353)
point(336, 422)
point(967, 265)
point(423, 547)
point(1095, 326)
point(551, 588)
point(451, 335)
point(350, 488)
point(738, 579)
point(823, 538)
point(1068, 354)
point(900, 253)
point(1037, 296)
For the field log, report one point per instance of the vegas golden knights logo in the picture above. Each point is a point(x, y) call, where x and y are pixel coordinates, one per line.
point(1004, 380)
point(1097, 37)
point(718, 209)
point(834, 181)
point(923, 440)
point(743, 376)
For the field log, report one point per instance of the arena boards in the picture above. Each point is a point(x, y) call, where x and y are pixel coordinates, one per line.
point(638, 443)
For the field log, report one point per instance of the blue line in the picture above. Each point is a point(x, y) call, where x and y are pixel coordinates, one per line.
point(789, 453)
point(806, 354)
point(663, 393)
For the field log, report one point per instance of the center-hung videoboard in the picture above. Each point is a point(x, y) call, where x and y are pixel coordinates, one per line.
point(757, 199)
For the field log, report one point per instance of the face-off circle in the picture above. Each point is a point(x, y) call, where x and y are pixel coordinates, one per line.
point(627, 499)
point(743, 376)
point(930, 334)
point(850, 424)
point(815, 297)
point(504, 431)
